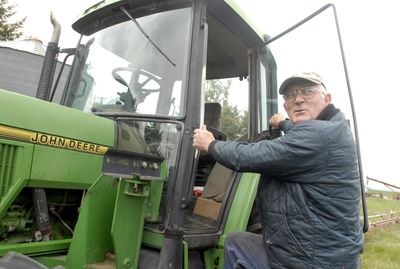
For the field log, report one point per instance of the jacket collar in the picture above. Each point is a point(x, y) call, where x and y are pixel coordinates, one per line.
point(328, 112)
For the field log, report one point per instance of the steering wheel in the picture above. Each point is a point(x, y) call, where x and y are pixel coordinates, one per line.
point(139, 86)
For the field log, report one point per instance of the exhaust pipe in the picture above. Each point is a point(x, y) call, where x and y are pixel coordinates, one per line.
point(43, 92)
point(49, 64)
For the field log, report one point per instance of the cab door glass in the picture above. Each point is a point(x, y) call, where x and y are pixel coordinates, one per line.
point(268, 90)
point(316, 46)
point(232, 96)
point(226, 116)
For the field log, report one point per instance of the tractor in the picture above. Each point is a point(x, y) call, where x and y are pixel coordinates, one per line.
point(107, 176)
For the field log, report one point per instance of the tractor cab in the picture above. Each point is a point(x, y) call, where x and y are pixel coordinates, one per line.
point(147, 67)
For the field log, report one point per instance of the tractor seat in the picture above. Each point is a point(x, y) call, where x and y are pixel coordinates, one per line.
point(212, 115)
point(212, 119)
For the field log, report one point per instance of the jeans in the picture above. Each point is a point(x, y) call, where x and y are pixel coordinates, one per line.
point(245, 250)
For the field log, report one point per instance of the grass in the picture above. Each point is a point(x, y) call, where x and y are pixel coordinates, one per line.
point(377, 206)
point(382, 246)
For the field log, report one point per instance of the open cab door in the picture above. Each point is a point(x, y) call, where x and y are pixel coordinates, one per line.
point(316, 45)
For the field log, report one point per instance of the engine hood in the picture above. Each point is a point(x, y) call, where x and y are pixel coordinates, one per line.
point(30, 114)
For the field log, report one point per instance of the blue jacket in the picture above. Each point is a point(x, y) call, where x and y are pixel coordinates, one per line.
point(308, 195)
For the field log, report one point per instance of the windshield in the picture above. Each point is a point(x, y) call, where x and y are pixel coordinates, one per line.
point(119, 69)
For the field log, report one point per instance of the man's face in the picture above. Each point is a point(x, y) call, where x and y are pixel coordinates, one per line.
point(306, 107)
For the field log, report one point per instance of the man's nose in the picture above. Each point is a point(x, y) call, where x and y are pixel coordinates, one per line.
point(298, 98)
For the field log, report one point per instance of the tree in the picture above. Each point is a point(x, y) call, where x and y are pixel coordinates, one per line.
point(233, 121)
point(217, 90)
point(9, 31)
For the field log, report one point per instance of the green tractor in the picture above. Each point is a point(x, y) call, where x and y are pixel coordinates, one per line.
point(108, 178)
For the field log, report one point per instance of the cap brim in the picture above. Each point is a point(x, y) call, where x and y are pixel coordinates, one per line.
point(292, 80)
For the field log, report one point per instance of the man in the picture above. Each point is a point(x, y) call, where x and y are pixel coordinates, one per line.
point(309, 188)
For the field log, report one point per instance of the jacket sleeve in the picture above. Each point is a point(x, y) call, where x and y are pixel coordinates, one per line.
point(302, 147)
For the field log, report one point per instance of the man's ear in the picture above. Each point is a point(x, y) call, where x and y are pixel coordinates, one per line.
point(284, 106)
point(327, 98)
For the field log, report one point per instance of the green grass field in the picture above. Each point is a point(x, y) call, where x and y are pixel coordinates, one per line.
point(382, 246)
point(377, 205)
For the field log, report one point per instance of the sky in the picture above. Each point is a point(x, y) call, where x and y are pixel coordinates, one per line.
point(371, 44)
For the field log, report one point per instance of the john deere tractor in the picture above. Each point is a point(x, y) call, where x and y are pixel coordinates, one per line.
point(108, 177)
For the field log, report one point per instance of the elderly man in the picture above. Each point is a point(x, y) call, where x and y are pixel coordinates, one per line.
point(309, 192)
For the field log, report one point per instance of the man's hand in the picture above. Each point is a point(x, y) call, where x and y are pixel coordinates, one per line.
point(202, 138)
point(276, 119)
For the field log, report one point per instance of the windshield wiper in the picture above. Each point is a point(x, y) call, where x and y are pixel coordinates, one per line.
point(145, 34)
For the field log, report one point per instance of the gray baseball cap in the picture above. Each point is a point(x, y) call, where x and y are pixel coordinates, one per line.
point(308, 76)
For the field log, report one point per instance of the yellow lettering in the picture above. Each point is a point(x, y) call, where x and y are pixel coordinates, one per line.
point(61, 142)
point(43, 139)
point(53, 140)
point(35, 138)
point(72, 144)
point(79, 145)
point(91, 147)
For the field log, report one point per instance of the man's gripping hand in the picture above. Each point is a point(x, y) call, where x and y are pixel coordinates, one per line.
point(202, 138)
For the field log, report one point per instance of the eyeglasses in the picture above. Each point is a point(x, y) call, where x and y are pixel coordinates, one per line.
point(306, 92)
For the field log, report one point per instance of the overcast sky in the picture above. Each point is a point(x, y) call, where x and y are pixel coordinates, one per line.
point(371, 42)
